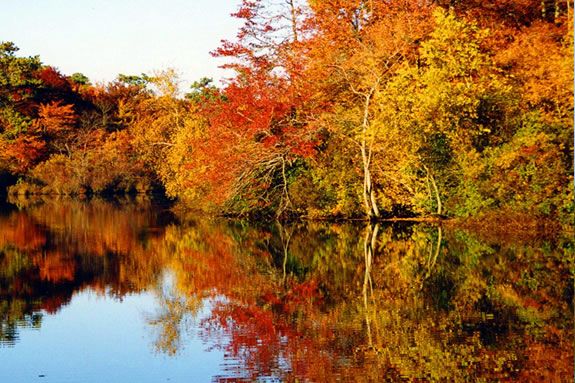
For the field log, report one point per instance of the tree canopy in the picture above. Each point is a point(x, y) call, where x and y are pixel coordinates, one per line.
point(336, 108)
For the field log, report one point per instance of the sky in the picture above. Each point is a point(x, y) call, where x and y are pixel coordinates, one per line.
point(102, 38)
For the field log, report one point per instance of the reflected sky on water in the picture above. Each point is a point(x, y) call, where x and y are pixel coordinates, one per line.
point(96, 338)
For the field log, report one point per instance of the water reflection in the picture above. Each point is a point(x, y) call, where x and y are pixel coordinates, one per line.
point(307, 301)
point(52, 250)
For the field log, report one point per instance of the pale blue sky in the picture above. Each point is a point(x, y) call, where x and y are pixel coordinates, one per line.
point(102, 38)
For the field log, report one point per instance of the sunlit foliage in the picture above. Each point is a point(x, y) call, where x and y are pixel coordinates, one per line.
point(334, 109)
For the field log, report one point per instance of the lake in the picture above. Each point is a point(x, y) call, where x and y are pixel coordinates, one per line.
point(129, 291)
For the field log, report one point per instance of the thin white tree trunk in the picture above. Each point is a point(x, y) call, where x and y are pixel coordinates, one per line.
point(369, 197)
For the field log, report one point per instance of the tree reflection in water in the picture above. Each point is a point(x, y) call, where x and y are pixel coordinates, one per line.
point(49, 251)
point(306, 301)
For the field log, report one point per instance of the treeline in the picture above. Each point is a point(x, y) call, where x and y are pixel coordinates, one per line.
point(337, 108)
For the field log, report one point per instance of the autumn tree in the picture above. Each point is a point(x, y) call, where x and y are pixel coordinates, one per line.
point(56, 123)
point(360, 46)
point(258, 125)
point(162, 131)
point(17, 85)
point(452, 102)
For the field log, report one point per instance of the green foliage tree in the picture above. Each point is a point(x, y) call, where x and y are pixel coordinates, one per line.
point(17, 87)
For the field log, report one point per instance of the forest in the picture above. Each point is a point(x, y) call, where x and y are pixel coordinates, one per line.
point(334, 109)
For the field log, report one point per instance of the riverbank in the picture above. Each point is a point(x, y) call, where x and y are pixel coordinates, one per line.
point(502, 225)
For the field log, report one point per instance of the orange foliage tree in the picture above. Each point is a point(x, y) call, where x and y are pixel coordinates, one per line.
point(258, 125)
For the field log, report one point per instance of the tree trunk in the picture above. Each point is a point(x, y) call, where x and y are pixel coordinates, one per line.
point(435, 189)
point(369, 197)
point(293, 14)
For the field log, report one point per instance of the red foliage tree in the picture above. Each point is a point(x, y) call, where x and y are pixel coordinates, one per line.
point(257, 126)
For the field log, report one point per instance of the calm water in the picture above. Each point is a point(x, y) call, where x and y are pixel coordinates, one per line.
point(130, 292)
